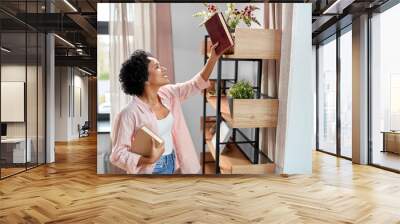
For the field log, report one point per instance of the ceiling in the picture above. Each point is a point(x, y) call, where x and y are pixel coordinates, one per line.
point(74, 21)
point(332, 15)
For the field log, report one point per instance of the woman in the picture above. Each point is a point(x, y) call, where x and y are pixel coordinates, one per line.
point(157, 105)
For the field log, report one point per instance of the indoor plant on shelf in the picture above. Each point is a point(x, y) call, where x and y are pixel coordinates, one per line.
point(240, 90)
point(232, 15)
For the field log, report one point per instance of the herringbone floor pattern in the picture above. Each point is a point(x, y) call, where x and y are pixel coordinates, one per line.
point(70, 191)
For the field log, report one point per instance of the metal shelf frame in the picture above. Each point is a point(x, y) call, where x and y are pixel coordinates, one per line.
point(256, 142)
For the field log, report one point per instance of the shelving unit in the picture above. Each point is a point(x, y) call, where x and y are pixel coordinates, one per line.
point(263, 113)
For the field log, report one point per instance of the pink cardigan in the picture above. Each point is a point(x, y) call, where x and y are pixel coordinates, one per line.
point(137, 113)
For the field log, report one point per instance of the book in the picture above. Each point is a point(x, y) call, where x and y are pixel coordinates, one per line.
point(218, 32)
point(143, 141)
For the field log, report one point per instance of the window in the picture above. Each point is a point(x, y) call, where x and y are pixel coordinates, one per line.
point(103, 78)
point(103, 81)
point(385, 86)
point(394, 101)
point(327, 97)
point(22, 75)
point(346, 94)
point(103, 12)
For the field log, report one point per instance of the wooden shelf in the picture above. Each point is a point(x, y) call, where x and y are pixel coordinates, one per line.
point(264, 112)
point(254, 44)
point(210, 122)
point(231, 156)
point(232, 161)
point(250, 44)
point(235, 56)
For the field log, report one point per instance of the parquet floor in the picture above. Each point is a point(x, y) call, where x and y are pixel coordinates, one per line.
point(69, 191)
point(10, 171)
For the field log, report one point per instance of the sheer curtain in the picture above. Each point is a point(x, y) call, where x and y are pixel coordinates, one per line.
point(135, 26)
point(270, 78)
point(126, 20)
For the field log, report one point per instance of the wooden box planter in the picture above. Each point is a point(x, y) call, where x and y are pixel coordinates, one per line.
point(248, 113)
point(254, 44)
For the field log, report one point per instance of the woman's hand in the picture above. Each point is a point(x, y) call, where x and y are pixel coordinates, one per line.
point(214, 56)
point(158, 150)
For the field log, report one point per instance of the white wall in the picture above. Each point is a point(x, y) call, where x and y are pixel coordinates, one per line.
point(80, 84)
point(80, 118)
point(68, 82)
point(61, 106)
point(296, 90)
point(188, 60)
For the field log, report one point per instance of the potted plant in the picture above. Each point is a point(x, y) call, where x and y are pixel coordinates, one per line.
point(232, 15)
point(240, 90)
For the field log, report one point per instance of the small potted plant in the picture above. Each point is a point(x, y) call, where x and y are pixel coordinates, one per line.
point(232, 15)
point(240, 90)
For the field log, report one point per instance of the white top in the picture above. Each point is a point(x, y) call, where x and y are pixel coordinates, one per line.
point(165, 132)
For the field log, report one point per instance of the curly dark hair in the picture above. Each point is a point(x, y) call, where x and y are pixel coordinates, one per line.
point(134, 73)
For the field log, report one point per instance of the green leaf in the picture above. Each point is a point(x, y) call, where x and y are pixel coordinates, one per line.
point(242, 90)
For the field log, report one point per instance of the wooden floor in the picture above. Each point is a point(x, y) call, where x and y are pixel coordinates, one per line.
point(5, 172)
point(10, 171)
point(70, 191)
